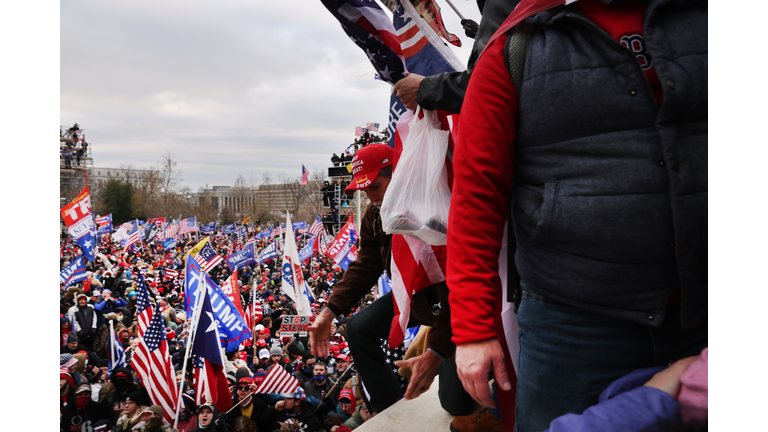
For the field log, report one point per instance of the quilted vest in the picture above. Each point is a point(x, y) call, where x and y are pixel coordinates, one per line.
point(609, 200)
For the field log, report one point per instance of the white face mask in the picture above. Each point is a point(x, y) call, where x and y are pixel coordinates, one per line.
point(119, 318)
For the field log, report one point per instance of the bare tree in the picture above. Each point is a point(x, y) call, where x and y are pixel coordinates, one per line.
point(146, 193)
point(206, 209)
point(297, 193)
point(241, 194)
point(170, 179)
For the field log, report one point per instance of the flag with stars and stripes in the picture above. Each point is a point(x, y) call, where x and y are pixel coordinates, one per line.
point(317, 227)
point(208, 258)
point(103, 219)
point(370, 29)
point(152, 362)
point(143, 307)
point(278, 380)
point(304, 175)
point(188, 225)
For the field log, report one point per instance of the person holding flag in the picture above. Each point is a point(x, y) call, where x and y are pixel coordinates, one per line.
point(366, 330)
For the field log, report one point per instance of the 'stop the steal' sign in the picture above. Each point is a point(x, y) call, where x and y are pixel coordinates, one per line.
point(294, 324)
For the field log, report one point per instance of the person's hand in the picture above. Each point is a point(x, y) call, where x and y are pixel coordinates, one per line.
point(668, 380)
point(144, 416)
point(407, 89)
point(320, 333)
point(280, 406)
point(470, 28)
point(424, 368)
point(474, 363)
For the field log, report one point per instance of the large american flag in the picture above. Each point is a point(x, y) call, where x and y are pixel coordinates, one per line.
point(208, 258)
point(359, 131)
point(132, 239)
point(188, 225)
point(370, 28)
point(151, 360)
point(317, 227)
point(304, 175)
point(170, 230)
point(278, 380)
point(373, 127)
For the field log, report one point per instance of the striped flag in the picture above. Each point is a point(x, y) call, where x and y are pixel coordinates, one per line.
point(171, 273)
point(188, 225)
point(208, 258)
point(304, 175)
point(278, 380)
point(373, 127)
point(143, 308)
point(103, 219)
point(132, 239)
point(359, 131)
point(152, 364)
point(317, 227)
point(171, 230)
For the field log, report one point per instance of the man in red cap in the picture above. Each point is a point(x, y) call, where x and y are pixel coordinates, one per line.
point(372, 172)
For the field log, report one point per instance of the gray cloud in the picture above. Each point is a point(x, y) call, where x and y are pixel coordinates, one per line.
point(228, 87)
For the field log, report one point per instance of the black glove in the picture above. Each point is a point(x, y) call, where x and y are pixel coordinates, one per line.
point(470, 28)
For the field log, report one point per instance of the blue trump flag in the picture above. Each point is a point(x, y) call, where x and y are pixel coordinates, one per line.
point(169, 244)
point(243, 257)
point(306, 252)
point(73, 273)
point(229, 229)
point(268, 253)
point(299, 225)
point(208, 228)
point(105, 228)
point(115, 352)
point(232, 327)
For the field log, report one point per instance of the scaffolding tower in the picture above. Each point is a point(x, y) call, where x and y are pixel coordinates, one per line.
point(74, 160)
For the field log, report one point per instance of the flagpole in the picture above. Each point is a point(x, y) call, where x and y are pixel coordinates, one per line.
point(192, 332)
point(112, 343)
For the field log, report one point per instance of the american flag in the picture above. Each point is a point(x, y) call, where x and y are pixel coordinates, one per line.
point(151, 360)
point(208, 258)
point(275, 232)
point(188, 225)
point(370, 28)
point(359, 131)
point(171, 273)
point(278, 380)
point(304, 175)
point(373, 127)
point(255, 313)
point(317, 227)
point(170, 231)
point(132, 239)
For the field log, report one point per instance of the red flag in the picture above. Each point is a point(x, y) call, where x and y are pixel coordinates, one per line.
point(232, 289)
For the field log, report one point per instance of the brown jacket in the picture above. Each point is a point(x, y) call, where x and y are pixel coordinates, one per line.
point(374, 257)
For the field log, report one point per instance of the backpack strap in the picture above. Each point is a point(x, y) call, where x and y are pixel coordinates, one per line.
point(515, 52)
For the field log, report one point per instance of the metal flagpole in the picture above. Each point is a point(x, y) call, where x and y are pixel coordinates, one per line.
point(454, 9)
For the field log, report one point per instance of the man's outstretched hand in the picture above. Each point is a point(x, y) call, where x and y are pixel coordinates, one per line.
point(320, 333)
point(424, 369)
point(475, 361)
point(407, 89)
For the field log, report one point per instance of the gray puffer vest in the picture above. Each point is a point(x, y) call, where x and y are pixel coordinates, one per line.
point(609, 200)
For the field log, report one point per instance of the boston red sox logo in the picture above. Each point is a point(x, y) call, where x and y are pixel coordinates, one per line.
point(636, 44)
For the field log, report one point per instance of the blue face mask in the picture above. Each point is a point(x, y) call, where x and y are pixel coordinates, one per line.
point(318, 377)
point(308, 369)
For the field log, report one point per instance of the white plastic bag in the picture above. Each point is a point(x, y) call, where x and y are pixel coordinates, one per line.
point(418, 197)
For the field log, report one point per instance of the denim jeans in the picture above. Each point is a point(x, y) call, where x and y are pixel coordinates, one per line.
point(568, 356)
point(365, 333)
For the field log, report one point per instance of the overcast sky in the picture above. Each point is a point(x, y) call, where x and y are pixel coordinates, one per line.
point(228, 87)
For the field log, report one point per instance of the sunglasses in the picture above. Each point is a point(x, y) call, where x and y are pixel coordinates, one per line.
point(243, 388)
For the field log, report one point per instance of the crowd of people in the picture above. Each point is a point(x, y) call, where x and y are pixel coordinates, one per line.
point(328, 398)
point(574, 281)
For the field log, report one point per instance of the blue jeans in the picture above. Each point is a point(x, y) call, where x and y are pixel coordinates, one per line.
point(568, 356)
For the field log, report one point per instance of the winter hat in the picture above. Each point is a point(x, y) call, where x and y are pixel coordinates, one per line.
point(264, 353)
point(242, 373)
point(66, 361)
point(296, 394)
point(293, 349)
point(72, 337)
point(170, 334)
point(135, 397)
point(275, 351)
point(157, 409)
point(68, 378)
point(82, 295)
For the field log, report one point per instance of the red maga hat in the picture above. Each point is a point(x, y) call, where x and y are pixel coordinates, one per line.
point(367, 163)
